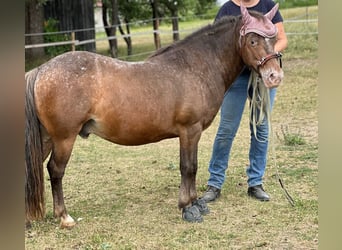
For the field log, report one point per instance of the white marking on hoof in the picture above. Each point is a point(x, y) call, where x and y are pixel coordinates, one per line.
point(67, 222)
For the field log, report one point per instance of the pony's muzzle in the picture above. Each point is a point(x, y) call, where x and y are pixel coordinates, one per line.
point(272, 78)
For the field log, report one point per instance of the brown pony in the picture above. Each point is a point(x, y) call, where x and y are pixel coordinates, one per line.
point(174, 93)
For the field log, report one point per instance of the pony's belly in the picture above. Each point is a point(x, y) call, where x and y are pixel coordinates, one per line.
point(131, 134)
point(136, 139)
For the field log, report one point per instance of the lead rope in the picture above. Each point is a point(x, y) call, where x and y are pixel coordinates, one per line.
point(276, 167)
point(260, 109)
point(259, 102)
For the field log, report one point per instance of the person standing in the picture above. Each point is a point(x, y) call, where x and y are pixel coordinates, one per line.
point(231, 113)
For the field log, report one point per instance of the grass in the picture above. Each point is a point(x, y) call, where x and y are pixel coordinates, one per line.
point(126, 197)
point(290, 138)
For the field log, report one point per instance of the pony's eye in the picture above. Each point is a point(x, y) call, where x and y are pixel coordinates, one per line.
point(254, 42)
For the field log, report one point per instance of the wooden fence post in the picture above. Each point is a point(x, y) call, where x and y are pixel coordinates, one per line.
point(73, 39)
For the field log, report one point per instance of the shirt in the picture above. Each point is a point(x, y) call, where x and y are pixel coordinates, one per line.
point(263, 6)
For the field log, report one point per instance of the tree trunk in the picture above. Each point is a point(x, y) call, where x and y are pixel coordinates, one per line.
point(155, 17)
point(127, 38)
point(111, 29)
point(174, 15)
point(175, 28)
point(84, 20)
point(115, 22)
point(34, 23)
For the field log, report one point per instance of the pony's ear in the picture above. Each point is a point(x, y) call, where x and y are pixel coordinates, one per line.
point(272, 12)
point(246, 17)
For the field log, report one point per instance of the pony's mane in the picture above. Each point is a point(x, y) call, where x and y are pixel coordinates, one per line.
point(222, 25)
point(204, 31)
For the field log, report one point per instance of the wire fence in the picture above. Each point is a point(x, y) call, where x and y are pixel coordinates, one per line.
point(305, 19)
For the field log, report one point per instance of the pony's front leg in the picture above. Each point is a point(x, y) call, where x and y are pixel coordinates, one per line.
point(56, 167)
point(188, 169)
point(191, 210)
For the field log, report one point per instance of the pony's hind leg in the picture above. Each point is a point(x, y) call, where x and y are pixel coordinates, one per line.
point(47, 143)
point(59, 158)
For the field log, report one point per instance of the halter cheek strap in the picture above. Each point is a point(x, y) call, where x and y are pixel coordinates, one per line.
point(264, 59)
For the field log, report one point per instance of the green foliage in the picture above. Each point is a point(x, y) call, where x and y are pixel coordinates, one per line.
point(296, 3)
point(203, 6)
point(133, 10)
point(172, 166)
point(51, 25)
point(290, 138)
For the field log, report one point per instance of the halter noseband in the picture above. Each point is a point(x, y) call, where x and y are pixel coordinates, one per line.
point(264, 59)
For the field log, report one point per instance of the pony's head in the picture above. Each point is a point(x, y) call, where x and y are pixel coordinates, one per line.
point(257, 38)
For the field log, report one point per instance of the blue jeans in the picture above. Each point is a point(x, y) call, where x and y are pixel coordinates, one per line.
point(231, 113)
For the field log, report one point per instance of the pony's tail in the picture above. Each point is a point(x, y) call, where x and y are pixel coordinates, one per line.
point(34, 174)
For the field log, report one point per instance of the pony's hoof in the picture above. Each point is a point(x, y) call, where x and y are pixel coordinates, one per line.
point(202, 206)
point(28, 224)
point(67, 222)
point(192, 214)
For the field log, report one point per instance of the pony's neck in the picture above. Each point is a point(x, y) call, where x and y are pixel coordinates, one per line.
point(213, 49)
point(234, 66)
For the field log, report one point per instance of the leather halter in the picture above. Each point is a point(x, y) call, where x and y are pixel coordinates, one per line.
point(264, 59)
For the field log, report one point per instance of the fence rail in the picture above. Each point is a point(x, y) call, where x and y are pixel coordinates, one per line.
point(39, 45)
point(73, 42)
